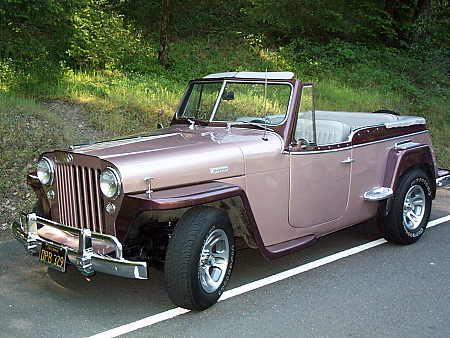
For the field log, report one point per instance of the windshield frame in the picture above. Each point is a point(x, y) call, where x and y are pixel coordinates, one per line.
point(224, 82)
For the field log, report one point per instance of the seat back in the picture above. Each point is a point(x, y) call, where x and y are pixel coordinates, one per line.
point(327, 132)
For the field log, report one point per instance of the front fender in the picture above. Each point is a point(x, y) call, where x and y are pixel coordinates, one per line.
point(184, 197)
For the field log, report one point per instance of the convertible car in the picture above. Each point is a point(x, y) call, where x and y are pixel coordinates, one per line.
point(246, 156)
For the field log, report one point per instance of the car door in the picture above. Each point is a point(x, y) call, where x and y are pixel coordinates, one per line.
point(319, 176)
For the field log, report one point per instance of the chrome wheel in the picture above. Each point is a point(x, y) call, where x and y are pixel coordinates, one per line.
point(214, 260)
point(414, 207)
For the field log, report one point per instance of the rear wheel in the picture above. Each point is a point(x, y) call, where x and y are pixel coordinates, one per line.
point(409, 210)
point(199, 258)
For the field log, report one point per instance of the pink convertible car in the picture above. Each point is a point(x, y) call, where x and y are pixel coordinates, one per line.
point(246, 156)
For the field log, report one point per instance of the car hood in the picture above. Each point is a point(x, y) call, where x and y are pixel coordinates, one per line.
point(177, 156)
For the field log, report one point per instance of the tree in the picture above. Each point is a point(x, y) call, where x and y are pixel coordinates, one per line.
point(164, 34)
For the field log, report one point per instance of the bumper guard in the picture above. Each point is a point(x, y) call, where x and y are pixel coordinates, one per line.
point(83, 257)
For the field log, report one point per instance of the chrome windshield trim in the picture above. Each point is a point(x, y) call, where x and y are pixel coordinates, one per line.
point(219, 96)
point(216, 104)
point(261, 82)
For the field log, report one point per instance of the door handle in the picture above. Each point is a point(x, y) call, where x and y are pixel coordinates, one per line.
point(348, 160)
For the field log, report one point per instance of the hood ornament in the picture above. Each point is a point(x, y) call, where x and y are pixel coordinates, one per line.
point(148, 181)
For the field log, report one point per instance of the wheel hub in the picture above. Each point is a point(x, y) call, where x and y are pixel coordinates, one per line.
point(214, 259)
point(414, 207)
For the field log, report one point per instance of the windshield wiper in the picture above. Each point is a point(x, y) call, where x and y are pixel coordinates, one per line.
point(192, 121)
point(262, 126)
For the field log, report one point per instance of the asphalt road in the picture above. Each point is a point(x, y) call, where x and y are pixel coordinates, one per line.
point(386, 291)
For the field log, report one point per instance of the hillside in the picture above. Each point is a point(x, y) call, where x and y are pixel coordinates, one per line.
point(77, 70)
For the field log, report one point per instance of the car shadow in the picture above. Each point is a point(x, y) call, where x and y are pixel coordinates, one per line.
point(249, 266)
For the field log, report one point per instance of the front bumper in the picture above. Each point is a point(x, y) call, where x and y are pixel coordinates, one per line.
point(82, 255)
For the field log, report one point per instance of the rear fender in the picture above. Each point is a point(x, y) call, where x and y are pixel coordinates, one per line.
point(403, 157)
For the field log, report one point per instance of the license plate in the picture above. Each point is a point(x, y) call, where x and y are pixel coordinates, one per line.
point(54, 256)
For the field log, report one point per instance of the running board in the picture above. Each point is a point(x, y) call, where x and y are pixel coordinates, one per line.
point(378, 194)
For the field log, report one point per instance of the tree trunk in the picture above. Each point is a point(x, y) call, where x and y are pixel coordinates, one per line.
point(163, 56)
point(422, 6)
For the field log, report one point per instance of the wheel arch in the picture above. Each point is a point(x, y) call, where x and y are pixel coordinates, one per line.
point(140, 210)
point(401, 161)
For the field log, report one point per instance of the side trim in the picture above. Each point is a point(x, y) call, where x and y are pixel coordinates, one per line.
point(346, 147)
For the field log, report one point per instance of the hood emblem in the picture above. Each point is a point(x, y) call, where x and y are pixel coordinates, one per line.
point(219, 170)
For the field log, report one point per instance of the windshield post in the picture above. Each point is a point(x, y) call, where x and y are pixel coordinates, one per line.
point(219, 97)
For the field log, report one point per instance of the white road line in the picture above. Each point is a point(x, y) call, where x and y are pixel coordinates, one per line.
point(438, 221)
point(160, 317)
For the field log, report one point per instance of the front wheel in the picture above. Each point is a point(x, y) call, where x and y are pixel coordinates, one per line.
point(409, 210)
point(199, 258)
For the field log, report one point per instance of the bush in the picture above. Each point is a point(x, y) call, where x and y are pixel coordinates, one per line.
point(101, 40)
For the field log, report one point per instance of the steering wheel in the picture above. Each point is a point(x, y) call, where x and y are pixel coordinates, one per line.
point(257, 121)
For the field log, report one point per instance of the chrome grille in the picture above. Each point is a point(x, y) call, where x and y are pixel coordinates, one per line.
point(78, 195)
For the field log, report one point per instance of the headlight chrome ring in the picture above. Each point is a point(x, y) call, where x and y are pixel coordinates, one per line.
point(110, 183)
point(45, 170)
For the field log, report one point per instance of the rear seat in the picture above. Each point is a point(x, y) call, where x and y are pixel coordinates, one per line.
point(356, 120)
point(327, 132)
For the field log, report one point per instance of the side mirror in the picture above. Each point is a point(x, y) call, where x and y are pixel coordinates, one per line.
point(228, 95)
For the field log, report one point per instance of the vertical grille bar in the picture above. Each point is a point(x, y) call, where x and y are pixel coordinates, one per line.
point(88, 223)
point(91, 199)
point(60, 193)
point(78, 177)
point(75, 218)
point(97, 198)
point(70, 202)
point(64, 195)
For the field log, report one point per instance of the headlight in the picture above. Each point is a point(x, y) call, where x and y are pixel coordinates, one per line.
point(110, 183)
point(45, 170)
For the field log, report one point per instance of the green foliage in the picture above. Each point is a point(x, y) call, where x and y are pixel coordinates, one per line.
point(100, 40)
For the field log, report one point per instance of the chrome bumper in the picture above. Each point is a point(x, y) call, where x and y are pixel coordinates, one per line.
point(83, 257)
point(443, 181)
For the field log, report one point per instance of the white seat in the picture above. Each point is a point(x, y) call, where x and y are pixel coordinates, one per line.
point(356, 120)
point(327, 132)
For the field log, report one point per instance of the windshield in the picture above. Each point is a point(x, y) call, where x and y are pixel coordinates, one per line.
point(239, 102)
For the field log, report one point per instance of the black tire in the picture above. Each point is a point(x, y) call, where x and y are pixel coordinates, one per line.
point(394, 227)
point(182, 265)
